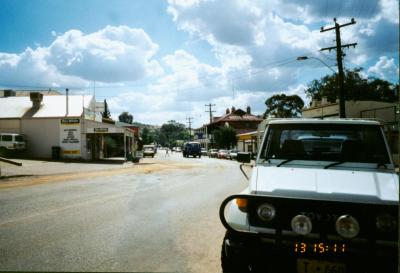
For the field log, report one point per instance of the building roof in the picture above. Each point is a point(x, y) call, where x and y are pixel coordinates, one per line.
point(51, 106)
point(238, 115)
point(19, 93)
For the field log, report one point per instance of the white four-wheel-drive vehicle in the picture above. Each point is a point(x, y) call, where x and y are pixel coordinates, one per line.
point(149, 150)
point(322, 198)
point(11, 143)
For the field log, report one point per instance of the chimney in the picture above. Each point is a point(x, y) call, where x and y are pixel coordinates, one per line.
point(248, 110)
point(227, 111)
point(233, 109)
point(36, 99)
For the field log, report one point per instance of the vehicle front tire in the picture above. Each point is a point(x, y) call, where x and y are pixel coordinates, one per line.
point(232, 264)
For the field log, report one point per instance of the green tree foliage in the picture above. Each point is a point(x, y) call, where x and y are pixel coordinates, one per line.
point(125, 117)
point(356, 86)
point(225, 137)
point(282, 106)
point(106, 113)
point(147, 136)
point(170, 132)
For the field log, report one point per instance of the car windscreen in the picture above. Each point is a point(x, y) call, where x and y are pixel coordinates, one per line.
point(6, 137)
point(19, 138)
point(326, 142)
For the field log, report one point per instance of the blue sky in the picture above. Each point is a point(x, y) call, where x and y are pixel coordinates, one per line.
point(164, 60)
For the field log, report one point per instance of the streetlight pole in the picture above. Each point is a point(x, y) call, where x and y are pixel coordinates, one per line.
point(302, 58)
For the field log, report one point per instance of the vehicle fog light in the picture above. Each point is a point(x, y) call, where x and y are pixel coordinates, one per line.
point(266, 212)
point(386, 223)
point(347, 226)
point(301, 224)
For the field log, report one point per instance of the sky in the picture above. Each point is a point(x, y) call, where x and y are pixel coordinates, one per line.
point(164, 60)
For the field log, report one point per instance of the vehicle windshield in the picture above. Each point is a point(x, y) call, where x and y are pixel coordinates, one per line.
point(19, 138)
point(325, 142)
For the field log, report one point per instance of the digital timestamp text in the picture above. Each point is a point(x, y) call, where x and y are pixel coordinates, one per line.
point(319, 248)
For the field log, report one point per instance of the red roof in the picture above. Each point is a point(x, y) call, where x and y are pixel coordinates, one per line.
point(238, 115)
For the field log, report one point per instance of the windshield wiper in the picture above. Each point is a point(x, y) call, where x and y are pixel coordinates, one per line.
point(284, 162)
point(341, 162)
point(334, 164)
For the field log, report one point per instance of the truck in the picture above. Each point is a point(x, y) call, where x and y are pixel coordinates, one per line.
point(191, 149)
point(323, 196)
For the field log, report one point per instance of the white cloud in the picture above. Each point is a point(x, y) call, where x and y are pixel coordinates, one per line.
point(112, 54)
point(30, 69)
point(258, 32)
point(390, 10)
point(385, 68)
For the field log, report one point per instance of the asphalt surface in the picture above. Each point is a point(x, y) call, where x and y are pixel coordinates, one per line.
point(161, 220)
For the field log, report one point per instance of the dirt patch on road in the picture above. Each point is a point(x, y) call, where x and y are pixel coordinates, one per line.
point(13, 182)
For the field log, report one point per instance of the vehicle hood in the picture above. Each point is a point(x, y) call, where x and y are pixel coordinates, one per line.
point(322, 184)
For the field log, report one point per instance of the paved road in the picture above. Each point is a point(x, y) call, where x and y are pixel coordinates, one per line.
point(162, 220)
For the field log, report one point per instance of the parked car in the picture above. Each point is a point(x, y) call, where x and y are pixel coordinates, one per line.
point(322, 197)
point(213, 153)
point(11, 144)
point(222, 154)
point(191, 149)
point(232, 154)
point(178, 149)
point(204, 151)
point(149, 150)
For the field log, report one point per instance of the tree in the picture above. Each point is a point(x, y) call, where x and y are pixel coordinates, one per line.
point(147, 136)
point(172, 131)
point(106, 113)
point(125, 117)
point(282, 106)
point(356, 86)
point(225, 137)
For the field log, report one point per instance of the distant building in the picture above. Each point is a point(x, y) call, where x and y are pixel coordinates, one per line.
point(242, 121)
point(69, 122)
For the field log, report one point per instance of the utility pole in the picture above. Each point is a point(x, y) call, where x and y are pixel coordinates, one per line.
point(210, 110)
point(339, 57)
point(189, 119)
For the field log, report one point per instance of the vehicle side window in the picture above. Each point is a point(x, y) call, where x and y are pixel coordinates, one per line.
point(6, 138)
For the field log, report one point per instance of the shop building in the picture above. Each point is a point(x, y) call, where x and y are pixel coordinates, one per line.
point(68, 122)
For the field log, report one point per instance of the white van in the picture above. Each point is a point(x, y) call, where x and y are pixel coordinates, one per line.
point(11, 143)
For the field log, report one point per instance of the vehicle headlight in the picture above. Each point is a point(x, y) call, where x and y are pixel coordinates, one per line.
point(301, 224)
point(347, 226)
point(266, 212)
point(386, 222)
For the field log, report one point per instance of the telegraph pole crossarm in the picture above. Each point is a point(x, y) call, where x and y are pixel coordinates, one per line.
point(339, 57)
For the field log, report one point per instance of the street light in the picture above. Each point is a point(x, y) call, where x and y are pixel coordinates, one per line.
point(342, 102)
point(302, 58)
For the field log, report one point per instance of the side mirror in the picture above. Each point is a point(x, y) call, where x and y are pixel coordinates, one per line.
point(243, 157)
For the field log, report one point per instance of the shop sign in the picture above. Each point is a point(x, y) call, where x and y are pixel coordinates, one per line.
point(100, 130)
point(70, 137)
point(70, 121)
